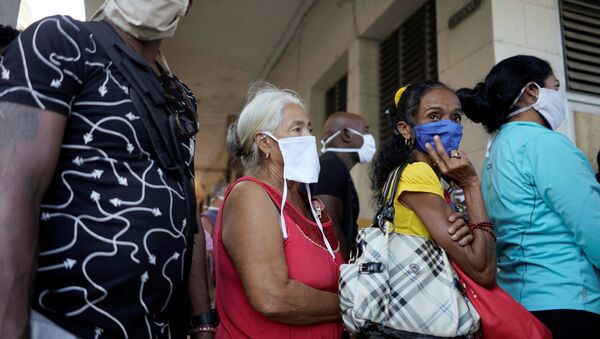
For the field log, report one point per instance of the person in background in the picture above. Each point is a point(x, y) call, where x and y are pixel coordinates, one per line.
point(7, 35)
point(208, 219)
point(541, 193)
point(276, 254)
point(96, 230)
point(346, 142)
point(426, 134)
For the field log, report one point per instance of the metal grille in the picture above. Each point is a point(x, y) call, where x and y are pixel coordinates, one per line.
point(335, 97)
point(408, 55)
point(581, 31)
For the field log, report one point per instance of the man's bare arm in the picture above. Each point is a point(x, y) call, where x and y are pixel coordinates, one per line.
point(30, 141)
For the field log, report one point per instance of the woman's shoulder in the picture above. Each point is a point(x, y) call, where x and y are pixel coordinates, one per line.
point(420, 172)
point(248, 191)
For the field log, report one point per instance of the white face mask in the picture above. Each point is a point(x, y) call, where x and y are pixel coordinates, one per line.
point(365, 152)
point(146, 20)
point(300, 164)
point(550, 105)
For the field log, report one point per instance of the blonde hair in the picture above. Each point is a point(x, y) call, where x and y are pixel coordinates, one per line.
point(262, 112)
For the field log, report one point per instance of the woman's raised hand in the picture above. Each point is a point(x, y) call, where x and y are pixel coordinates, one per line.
point(456, 167)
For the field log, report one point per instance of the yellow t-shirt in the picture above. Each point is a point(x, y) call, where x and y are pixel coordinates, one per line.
point(417, 177)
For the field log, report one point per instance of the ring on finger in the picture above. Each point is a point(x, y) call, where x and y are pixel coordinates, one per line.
point(437, 162)
point(454, 154)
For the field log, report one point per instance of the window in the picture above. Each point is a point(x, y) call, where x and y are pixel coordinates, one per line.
point(335, 97)
point(408, 55)
point(581, 31)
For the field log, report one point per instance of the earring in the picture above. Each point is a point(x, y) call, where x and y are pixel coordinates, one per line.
point(408, 142)
point(267, 155)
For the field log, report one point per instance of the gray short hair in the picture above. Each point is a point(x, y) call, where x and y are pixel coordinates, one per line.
point(262, 112)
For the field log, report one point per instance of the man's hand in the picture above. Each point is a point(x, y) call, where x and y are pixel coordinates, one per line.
point(459, 230)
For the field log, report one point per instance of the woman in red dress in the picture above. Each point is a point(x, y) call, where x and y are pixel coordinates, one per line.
point(277, 260)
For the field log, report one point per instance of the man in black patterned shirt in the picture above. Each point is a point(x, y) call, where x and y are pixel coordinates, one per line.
point(86, 201)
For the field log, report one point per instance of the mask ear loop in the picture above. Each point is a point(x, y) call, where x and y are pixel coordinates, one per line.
point(314, 213)
point(281, 217)
point(341, 150)
point(523, 109)
point(285, 190)
point(324, 142)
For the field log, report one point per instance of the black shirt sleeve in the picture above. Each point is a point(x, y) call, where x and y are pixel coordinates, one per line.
point(45, 66)
point(333, 177)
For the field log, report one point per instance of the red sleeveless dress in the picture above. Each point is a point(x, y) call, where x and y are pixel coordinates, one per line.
point(308, 261)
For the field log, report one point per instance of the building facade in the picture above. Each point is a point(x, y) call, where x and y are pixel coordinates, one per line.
point(377, 46)
point(353, 55)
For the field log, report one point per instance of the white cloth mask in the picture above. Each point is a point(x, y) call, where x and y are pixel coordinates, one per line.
point(146, 20)
point(365, 152)
point(550, 105)
point(300, 164)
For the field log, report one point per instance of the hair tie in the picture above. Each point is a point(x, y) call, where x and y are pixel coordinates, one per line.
point(399, 94)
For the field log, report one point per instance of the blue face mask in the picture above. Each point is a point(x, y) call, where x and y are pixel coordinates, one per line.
point(449, 132)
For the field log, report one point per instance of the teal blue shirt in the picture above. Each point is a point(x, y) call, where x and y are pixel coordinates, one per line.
point(541, 193)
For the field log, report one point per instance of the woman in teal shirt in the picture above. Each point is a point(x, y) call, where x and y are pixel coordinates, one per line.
point(541, 193)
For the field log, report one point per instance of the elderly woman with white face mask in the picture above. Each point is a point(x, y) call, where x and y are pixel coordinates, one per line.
point(277, 258)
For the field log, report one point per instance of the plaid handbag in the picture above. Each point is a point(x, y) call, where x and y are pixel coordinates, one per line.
point(402, 282)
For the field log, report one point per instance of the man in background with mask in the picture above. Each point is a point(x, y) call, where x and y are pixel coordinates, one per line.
point(95, 225)
point(346, 142)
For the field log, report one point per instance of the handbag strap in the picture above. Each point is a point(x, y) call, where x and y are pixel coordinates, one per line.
point(386, 211)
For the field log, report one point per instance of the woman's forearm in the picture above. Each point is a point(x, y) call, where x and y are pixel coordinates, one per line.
point(483, 255)
point(475, 203)
point(299, 304)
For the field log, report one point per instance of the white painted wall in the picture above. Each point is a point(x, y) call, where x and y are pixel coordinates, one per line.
point(465, 56)
point(339, 37)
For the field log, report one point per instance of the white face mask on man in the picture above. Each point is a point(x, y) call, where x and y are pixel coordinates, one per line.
point(146, 20)
point(549, 104)
point(365, 152)
point(300, 164)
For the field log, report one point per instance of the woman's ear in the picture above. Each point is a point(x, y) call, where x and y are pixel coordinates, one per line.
point(531, 94)
point(404, 130)
point(262, 141)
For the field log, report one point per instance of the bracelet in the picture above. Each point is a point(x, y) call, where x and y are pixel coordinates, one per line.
point(486, 227)
point(202, 328)
point(207, 318)
point(482, 225)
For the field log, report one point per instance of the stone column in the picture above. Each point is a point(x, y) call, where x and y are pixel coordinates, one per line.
point(363, 99)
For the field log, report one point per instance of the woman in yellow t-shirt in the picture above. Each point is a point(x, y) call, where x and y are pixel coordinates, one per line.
point(427, 132)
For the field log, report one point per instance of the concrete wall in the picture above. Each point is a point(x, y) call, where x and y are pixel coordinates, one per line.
point(465, 55)
point(587, 128)
point(9, 11)
point(337, 38)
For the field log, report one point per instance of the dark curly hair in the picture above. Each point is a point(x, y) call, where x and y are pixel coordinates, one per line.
point(490, 102)
point(395, 151)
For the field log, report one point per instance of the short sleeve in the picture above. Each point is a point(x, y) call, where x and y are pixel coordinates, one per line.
point(420, 177)
point(45, 66)
point(565, 180)
point(333, 178)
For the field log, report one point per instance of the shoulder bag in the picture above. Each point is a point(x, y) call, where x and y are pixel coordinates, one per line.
point(402, 284)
